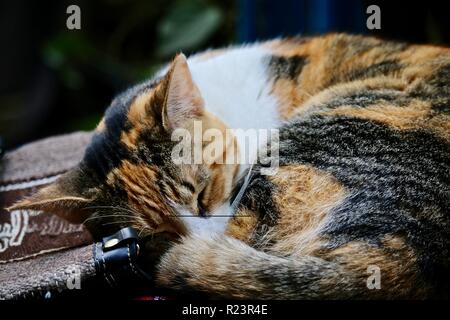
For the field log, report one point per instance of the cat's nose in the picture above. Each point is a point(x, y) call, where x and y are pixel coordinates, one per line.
point(201, 211)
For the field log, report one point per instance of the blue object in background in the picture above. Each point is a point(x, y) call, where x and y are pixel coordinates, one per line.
point(263, 19)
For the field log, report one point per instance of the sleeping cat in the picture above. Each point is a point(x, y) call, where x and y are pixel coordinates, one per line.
point(362, 188)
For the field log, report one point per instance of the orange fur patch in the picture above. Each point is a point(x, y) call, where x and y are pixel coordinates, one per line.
point(334, 55)
point(303, 197)
point(395, 260)
point(139, 119)
point(138, 181)
point(402, 118)
point(242, 225)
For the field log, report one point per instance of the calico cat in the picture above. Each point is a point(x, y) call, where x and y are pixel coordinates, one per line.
point(362, 186)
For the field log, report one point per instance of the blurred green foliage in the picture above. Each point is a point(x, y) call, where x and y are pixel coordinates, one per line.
point(123, 42)
point(187, 26)
point(57, 80)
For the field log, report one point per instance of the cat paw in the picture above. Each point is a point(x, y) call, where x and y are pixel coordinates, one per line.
point(154, 247)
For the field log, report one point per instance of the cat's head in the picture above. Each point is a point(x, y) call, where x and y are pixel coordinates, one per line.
point(128, 176)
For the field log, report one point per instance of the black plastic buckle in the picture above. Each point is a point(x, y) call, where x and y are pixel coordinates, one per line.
point(116, 259)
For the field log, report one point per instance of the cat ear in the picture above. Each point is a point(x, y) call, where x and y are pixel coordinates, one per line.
point(60, 198)
point(183, 99)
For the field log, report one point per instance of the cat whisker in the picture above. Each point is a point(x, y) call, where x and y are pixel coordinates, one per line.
point(113, 207)
point(106, 216)
point(142, 229)
point(118, 222)
point(244, 186)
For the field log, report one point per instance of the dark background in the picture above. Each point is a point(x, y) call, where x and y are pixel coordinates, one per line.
point(54, 80)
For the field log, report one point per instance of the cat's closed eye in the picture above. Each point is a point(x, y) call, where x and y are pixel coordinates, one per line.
point(200, 201)
point(188, 186)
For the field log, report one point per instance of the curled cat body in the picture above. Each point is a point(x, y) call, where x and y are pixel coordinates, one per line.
point(357, 208)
